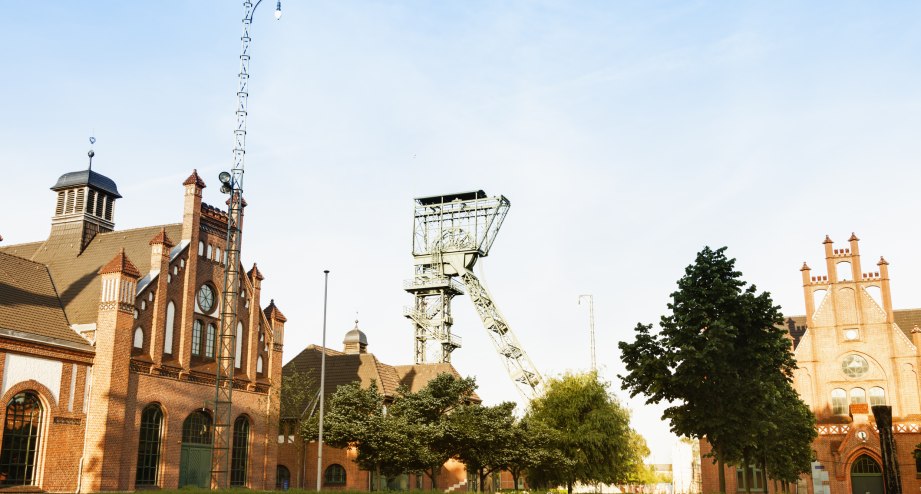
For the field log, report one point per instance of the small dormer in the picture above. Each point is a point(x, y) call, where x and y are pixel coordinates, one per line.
point(85, 204)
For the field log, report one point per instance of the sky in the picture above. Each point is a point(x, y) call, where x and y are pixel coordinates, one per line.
point(627, 136)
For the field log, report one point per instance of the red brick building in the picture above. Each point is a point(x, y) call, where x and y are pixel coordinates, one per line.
point(297, 461)
point(107, 350)
point(853, 351)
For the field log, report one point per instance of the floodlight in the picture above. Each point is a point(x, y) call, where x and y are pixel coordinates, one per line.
point(224, 177)
point(278, 10)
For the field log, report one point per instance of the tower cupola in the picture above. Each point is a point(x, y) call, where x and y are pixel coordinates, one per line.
point(85, 204)
point(355, 341)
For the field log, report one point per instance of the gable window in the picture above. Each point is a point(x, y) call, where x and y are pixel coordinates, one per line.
point(170, 328)
point(838, 401)
point(138, 338)
point(238, 351)
point(877, 396)
point(259, 365)
point(209, 341)
point(196, 337)
point(201, 248)
point(858, 396)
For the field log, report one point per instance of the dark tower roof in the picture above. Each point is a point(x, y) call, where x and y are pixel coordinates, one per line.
point(87, 177)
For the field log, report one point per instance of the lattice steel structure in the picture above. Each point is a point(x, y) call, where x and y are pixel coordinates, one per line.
point(220, 456)
point(450, 232)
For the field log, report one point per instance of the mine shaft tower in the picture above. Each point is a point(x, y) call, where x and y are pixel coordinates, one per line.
point(450, 232)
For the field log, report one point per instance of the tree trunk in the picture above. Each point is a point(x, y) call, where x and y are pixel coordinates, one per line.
point(569, 486)
point(722, 475)
point(481, 476)
point(514, 479)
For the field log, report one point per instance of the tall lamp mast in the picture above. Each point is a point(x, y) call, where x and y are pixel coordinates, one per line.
point(591, 325)
point(232, 183)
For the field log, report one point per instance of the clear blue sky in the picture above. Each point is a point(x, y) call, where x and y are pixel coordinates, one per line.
point(626, 135)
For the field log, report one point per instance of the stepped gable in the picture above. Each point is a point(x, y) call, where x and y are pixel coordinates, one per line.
point(31, 307)
point(75, 274)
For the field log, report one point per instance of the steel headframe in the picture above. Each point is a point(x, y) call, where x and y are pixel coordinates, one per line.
point(450, 232)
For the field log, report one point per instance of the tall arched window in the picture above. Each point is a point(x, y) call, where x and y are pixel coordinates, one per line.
point(201, 248)
point(170, 328)
point(238, 351)
point(21, 435)
point(839, 401)
point(858, 396)
point(209, 341)
point(149, 446)
point(877, 396)
point(282, 477)
point(335, 474)
point(240, 452)
point(210, 252)
point(196, 337)
point(197, 428)
point(138, 337)
point(259, 364)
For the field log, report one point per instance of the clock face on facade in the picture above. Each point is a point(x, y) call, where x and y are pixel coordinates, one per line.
point(205, 298)
point(851, 334)
point(854, 366)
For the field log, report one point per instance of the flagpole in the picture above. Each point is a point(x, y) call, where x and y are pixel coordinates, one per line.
point(322, 385)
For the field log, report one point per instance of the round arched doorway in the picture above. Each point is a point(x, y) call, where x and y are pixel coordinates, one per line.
point(195, 455)
point(866, 476)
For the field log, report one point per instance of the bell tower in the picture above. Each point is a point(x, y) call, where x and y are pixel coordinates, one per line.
point(85, 205)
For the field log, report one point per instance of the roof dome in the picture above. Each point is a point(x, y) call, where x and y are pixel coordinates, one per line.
point(87, 177)
point(355, 335)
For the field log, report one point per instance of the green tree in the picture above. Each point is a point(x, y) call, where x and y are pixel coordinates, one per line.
point(719, 359)
point(533, 447)
point(786, 447)
point(591, 433)
point(484, 437)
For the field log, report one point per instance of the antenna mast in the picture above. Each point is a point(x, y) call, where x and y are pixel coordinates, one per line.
point(591, 325)
point(232, 184)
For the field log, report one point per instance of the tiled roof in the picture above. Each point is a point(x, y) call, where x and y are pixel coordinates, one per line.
point(120, 264)
point(86, 177)
point(162, 238)
point(75, 273)
point(255, 273)
point(342, 369)
point(195, 179)
point(273, 310)
point(31, 304)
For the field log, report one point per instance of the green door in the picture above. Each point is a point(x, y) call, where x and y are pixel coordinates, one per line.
point(866, 476)
point(195, 465)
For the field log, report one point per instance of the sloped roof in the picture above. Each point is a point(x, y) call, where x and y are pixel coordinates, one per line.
point(120, 264)
point(906, 319)
point(31, 306)
point(75, 274)
point(271, 310)
point(86, 177)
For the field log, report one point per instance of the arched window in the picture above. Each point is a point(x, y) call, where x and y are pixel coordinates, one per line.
point(149, 446)
point(282, 477)
point(240, 452)
point(138, 337)
point(20, 439)
point(858, 396)
point(259, 364)
point(201, 248)
point(877, 396)
point(196, 337)
point(238, 351)
point(197, 428)
point(210, 251)
point(170, 328)
point(335, 474)
point(209, 341)
point(839, 401)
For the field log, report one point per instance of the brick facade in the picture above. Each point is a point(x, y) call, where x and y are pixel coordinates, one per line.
point(853, 351)
point(138, 338)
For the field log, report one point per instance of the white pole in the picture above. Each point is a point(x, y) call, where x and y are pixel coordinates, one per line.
point(591, 325)
point(322, 385)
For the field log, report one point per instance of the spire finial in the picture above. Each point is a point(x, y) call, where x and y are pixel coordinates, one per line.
point(91, 153)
